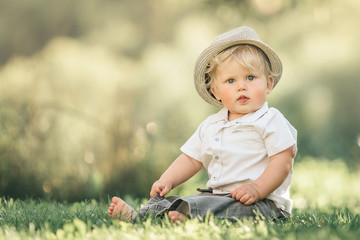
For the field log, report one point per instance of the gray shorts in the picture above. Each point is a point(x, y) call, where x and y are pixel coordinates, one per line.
point(221, 206)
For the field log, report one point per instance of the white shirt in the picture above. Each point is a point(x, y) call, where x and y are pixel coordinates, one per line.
point(237, 152)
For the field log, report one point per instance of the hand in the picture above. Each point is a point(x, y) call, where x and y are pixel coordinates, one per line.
point(246, 194)
point(161, 187)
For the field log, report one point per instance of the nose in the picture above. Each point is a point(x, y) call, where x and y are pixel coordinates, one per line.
point(241, 86)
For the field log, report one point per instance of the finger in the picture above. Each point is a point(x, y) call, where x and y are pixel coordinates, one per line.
point(152, 192)
point(245, 198)
point(250, 201)
point(240, 195)
point(234, 194)
point(237, 196)
point(164, 191)
point(242, 190)
point(155, 189)
point(252, 197)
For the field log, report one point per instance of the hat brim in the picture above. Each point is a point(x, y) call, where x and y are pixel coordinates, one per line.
point(214, 49)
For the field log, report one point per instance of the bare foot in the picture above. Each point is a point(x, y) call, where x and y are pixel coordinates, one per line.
point(176, 217)
point(120, 210)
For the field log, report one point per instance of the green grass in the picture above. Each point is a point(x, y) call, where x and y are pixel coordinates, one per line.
point(87, 220)
point(323, 210)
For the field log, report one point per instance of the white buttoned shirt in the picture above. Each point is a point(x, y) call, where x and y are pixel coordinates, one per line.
point(237, 152)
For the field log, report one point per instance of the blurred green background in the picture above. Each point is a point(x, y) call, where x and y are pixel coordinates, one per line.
point(97, 96)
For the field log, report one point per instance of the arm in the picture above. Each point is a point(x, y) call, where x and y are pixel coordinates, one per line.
point(274, 175)
point(183, 168)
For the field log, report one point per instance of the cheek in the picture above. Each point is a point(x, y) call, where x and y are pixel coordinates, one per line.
point(261, 92)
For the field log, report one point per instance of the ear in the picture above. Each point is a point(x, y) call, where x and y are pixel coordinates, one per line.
point(213, 90)
point(270, 84)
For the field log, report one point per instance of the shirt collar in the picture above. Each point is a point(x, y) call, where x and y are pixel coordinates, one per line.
point(222, 115)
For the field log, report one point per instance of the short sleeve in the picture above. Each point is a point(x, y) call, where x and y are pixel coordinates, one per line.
point(279, 134)
point(192, 146)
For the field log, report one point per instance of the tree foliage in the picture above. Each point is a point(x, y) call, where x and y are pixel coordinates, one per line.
point(96, 97)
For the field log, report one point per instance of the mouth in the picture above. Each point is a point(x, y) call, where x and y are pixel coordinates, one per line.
point(243, 99)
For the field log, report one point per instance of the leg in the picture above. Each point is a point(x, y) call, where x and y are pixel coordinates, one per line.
point(120, 210)
point(223, 206)
point(157, 206)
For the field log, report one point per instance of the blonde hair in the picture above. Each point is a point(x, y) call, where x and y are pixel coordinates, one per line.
point(248, 56)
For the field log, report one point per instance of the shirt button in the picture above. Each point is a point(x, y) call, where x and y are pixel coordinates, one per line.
point(217, 157)
point(217, 139)
point(214, 178)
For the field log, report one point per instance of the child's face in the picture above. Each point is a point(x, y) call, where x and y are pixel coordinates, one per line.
point(240, 90)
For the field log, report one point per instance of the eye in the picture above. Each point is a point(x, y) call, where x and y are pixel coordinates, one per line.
point(250, 78)
point(230, 80)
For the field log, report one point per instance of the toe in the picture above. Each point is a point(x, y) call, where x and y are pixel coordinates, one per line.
point(116, 200)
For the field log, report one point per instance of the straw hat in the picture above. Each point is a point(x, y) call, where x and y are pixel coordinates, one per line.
point(241, 35)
